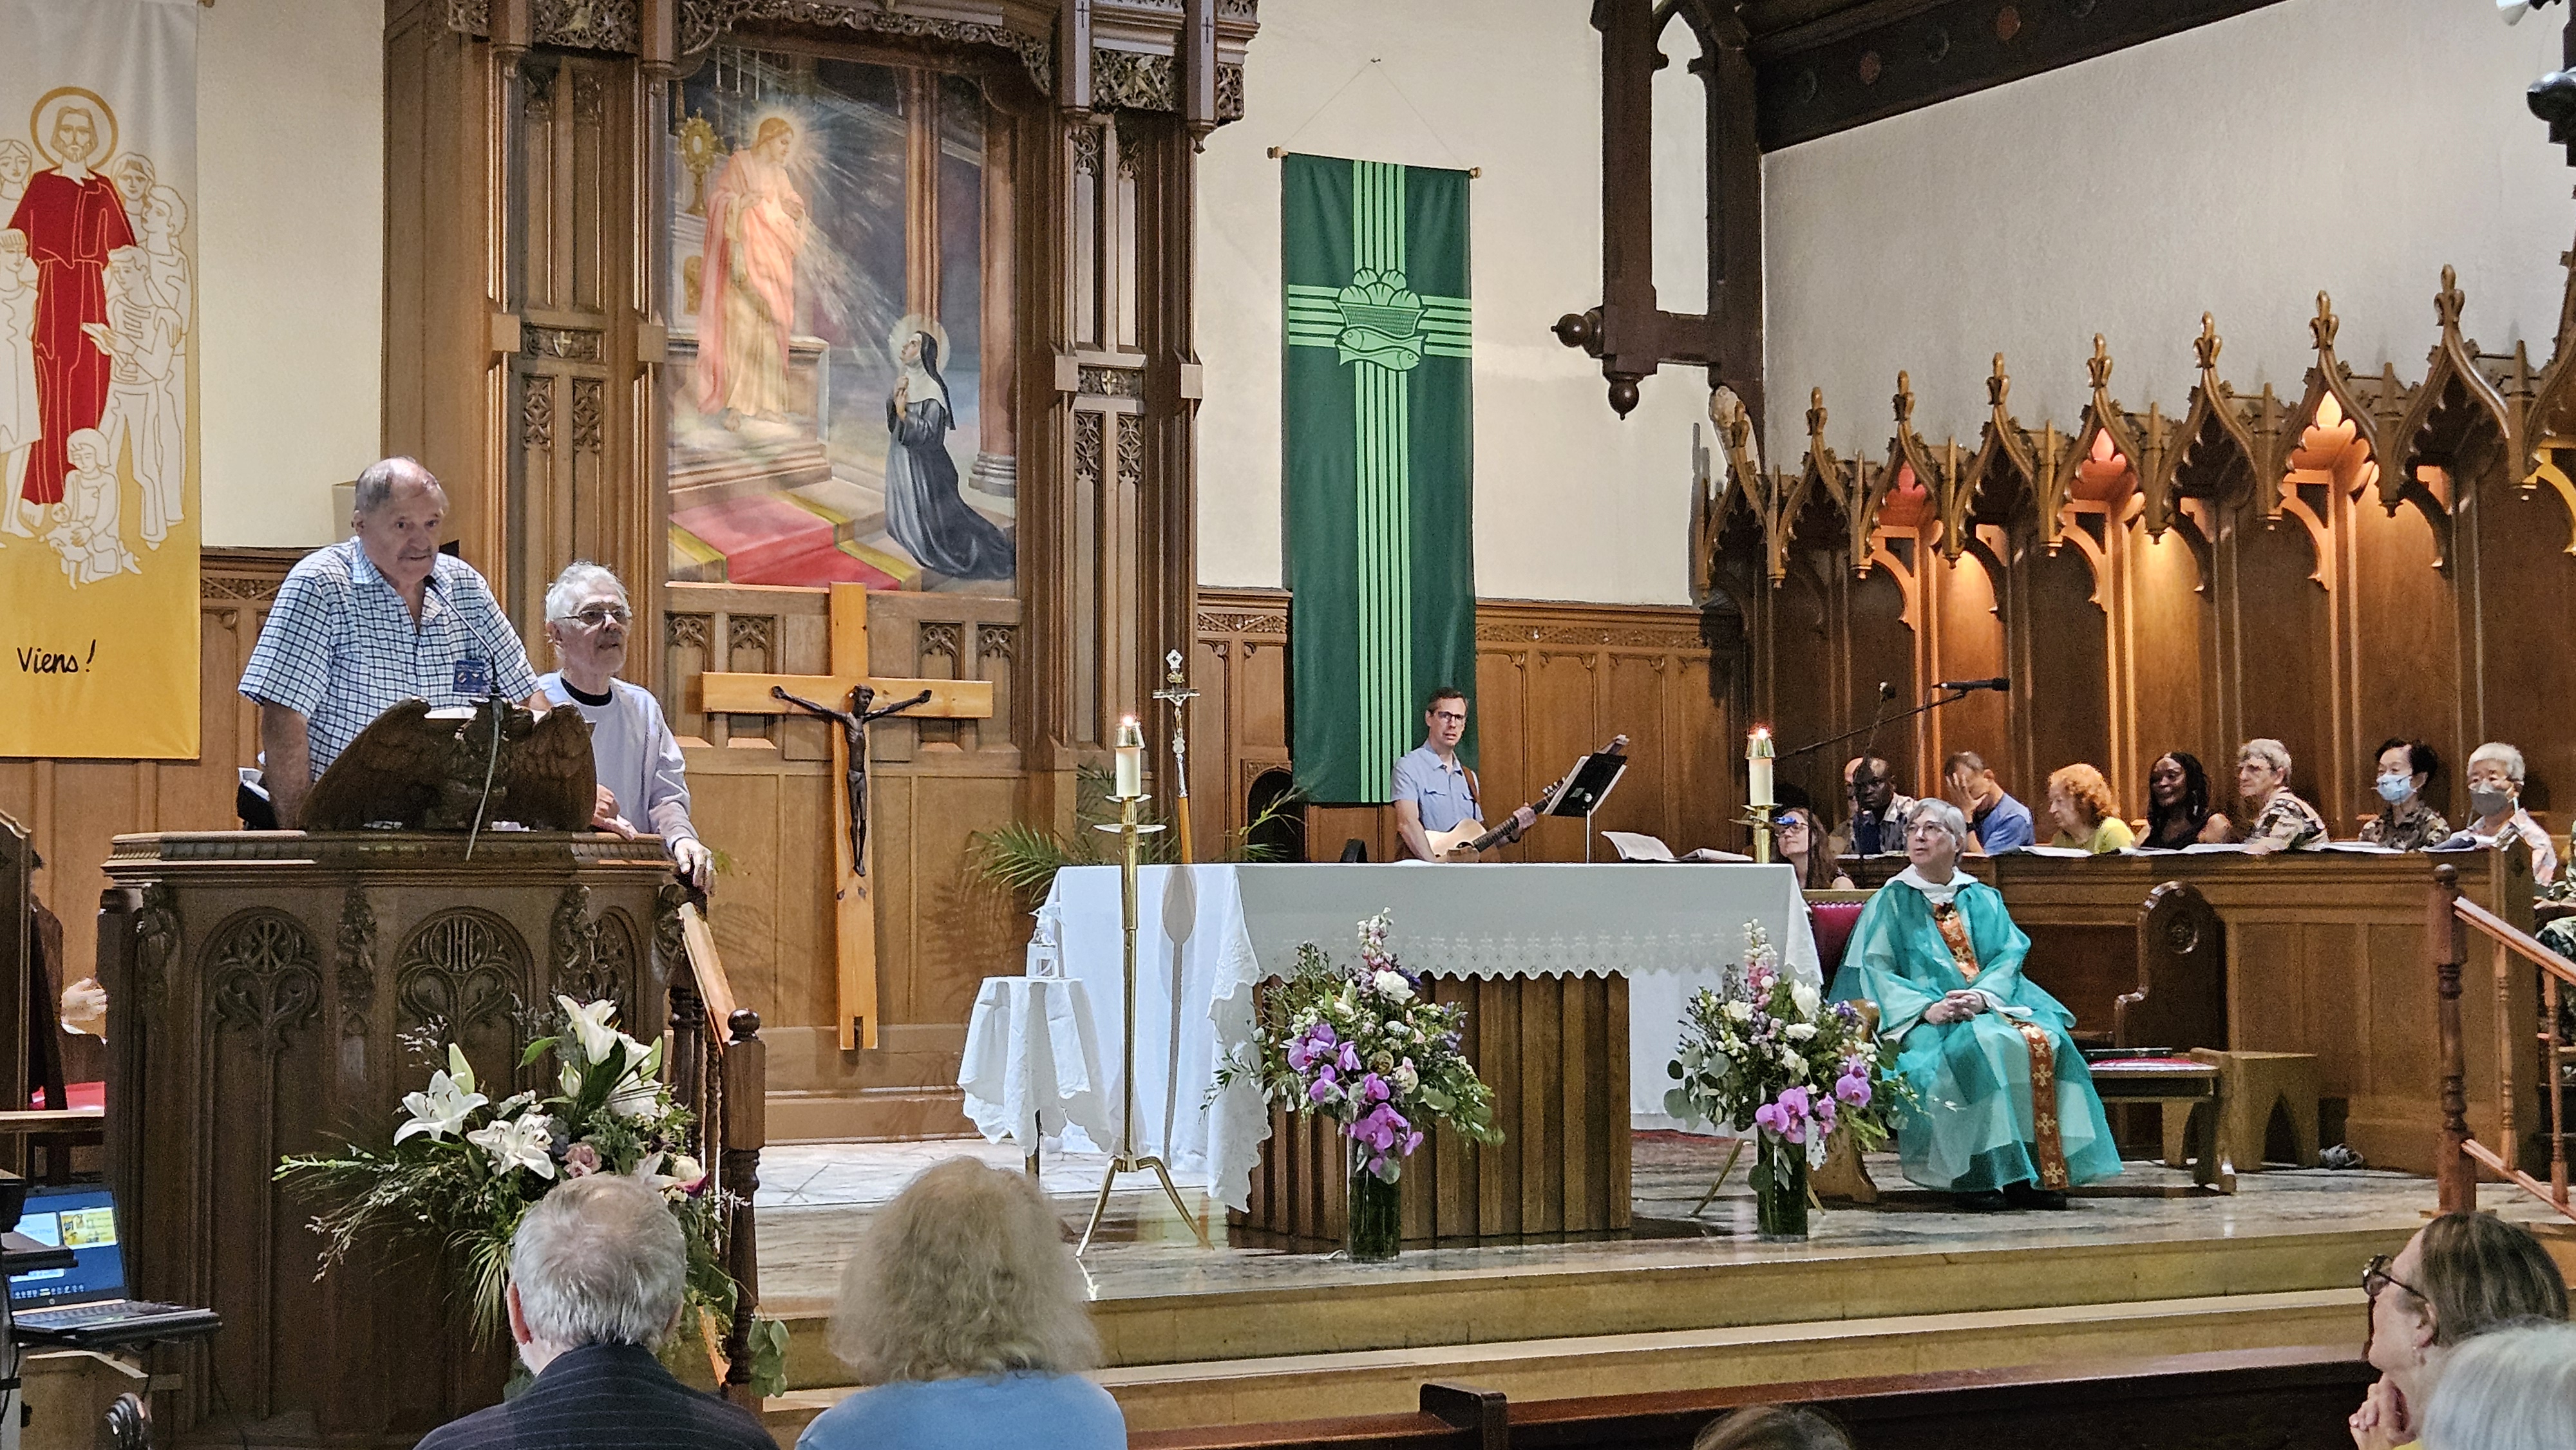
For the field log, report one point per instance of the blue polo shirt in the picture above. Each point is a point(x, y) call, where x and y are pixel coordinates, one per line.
point(2002, 826)
point(1437, 788)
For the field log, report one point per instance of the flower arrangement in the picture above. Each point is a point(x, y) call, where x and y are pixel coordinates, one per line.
point(462, 1169)
point(1364, 1046)
point(1769, 1053)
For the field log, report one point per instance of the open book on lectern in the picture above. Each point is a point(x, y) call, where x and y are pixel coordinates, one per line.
point(1586, 786)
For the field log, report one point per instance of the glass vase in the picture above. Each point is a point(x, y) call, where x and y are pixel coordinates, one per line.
point(1374, 1230)
point(1780, 1189)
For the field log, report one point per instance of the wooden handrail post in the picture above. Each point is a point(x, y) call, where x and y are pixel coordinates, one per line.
point(746, 1131)
point(2458, 1184)
point(1485, 1413)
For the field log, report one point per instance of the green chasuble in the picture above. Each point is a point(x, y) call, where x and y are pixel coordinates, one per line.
point(1378, 444)
point(1972, 1126)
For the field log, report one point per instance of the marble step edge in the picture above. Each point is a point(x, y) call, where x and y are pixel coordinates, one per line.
point(1349, 1310)
point(1385, 1381)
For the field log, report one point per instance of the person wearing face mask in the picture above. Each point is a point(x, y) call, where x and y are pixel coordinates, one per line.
point(642, 782)
point(2495, 797)
point(2405, 768)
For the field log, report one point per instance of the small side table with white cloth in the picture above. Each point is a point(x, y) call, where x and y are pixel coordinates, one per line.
point(1032, 1063)
point(1208, 934)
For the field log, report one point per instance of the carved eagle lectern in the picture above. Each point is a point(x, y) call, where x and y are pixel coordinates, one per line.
point(426, 770)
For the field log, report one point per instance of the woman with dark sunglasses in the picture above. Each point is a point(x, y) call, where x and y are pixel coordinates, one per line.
point(2461, 1275)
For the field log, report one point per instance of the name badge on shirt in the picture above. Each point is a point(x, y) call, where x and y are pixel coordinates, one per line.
point(473, 677)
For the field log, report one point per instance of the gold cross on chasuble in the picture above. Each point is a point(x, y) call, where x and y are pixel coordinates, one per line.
point(854, 917)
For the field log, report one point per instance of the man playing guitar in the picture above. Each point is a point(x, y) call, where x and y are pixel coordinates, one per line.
point(1434, 792)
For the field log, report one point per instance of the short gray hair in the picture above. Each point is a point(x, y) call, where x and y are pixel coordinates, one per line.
point(2501, 754)
point(2267, 750)
point(600, 1261)
point(1942, 814)
point(377, 484)
point(2511, 1388)
point(578, 578)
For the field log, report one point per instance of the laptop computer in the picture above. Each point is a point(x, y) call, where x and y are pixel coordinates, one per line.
point(85, 1305)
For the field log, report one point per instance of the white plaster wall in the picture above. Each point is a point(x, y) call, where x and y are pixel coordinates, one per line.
point(1571, 502)
point(2353, 146)
point(290, 181)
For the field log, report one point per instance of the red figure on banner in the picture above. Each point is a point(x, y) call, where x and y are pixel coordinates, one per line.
point(72, 218)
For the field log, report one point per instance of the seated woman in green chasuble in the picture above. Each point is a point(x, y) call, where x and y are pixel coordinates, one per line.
point(1938, 953)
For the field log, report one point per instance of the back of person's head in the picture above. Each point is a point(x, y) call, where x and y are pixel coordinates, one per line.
point(2480, 1272)
point(599, 1261)
point(1773, 1427)
point(2511, 1388)
point(965, 1273)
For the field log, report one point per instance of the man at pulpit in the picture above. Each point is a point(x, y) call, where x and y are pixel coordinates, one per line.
point(643, 780)
point(368, 623)
point(2004, 1110)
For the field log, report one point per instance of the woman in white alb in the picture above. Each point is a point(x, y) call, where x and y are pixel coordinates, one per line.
point(643, 785)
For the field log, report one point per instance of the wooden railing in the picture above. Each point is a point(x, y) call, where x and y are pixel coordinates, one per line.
point(2452, 920)
point(719, 1072)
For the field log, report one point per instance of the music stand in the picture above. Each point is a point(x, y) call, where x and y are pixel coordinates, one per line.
point(1583, 790)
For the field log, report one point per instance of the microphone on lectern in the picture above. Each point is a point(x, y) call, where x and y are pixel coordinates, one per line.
point(1999, 682)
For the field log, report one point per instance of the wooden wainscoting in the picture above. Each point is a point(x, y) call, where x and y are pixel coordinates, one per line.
point(1553, 680)
point(71, 808)
point(761, 792)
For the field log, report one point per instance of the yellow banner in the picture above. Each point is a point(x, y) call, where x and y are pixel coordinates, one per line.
point(98, 379)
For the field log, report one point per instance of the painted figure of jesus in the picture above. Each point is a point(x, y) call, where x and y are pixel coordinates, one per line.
point(72, 218)
point(756, 228)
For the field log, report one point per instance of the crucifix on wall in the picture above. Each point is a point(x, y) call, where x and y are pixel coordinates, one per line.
point(854, 907)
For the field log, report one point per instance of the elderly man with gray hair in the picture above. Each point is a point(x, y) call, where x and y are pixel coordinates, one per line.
point(2282, 821)
point(642, 778)
point(2495, 775)
point(598, 1271)
point(370, 622)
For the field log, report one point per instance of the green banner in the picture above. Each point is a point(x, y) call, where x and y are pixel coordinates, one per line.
point(1378, 425)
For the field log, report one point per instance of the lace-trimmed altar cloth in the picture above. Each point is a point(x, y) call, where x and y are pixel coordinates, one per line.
point(1207, 934)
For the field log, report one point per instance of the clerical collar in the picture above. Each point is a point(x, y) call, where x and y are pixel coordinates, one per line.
point(1937, 892)
point(586, 698)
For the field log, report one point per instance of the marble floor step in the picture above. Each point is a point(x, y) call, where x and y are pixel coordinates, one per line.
point(1385, 1381)
point(1312, 1306)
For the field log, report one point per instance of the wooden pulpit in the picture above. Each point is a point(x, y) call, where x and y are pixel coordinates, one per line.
point(265, 995)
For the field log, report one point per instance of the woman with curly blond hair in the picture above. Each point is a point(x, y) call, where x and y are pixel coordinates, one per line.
point(965, 1313)
point(2088, 818)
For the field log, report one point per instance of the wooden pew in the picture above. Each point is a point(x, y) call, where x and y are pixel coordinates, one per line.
point(2293, 1399)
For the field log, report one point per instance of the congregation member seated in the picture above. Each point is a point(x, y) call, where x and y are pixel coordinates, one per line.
point(1876, 826)
point(1773, 1427)
point(2495, 795)
point(2088, 819)
point(2513, 1389)
point(2004, 1111)
point(2178, 812)
point(1996, 822)
point(965, 1312)
point(2405, 768)
point(643, 783)
point(597, 1274)
point(2282, 821)
point(1801, 845)
point(2462, 1275)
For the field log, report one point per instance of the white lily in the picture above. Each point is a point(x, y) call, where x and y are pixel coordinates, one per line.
point(686, 1173)
point(590, 1026)
point(1393, 984)
point(1807, 998)
point(442, 1110)
point(521, 1142)
point(1799, 1031)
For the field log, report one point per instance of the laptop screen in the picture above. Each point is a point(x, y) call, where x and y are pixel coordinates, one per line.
point(82, 1219)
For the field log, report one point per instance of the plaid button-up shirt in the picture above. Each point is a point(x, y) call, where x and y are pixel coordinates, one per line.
point(340, 646)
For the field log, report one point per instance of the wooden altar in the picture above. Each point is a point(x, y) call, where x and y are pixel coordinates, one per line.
point(262, 988)
point(1555, 1051)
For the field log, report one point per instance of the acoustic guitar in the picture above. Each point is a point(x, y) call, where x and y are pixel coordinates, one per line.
point(1469, 840)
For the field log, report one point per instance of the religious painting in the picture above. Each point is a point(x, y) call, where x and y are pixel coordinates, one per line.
point(98, 458)
point(839, 367)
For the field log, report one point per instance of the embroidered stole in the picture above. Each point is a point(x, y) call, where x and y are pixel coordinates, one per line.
point(2048, 1147)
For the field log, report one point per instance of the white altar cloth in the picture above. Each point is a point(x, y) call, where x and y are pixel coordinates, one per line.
point(1032, 1063)
point(1207, 934)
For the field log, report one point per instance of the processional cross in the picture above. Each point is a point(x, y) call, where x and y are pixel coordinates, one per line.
point(854, 916)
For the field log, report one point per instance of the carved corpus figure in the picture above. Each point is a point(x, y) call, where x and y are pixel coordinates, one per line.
point(854, 724)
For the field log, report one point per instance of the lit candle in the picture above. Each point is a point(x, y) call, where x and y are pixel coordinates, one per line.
point(1757, 767)
point(1131, 756)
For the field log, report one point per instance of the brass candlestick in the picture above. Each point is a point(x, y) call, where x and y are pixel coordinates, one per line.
point(1761, 819)
point(1132, 832)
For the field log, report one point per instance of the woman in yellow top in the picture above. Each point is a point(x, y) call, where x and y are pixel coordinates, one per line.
point(2088, 819)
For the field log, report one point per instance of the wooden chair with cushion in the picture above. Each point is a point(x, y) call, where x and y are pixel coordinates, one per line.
point(2179, 1004)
